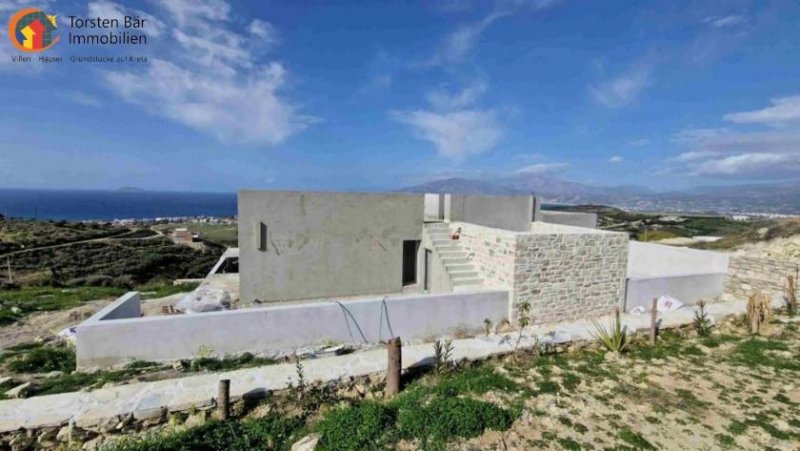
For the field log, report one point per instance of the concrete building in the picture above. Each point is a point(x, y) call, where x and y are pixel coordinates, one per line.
point(347, 268)
point(304, 246)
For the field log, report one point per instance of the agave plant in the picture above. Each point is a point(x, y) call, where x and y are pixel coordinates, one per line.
point(615, 337)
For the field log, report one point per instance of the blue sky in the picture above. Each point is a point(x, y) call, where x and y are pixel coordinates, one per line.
point(379, 95)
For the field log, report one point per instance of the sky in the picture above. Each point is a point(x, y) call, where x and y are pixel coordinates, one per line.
point(355, 95)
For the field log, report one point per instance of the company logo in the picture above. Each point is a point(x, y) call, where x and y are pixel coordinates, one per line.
point(31, 30)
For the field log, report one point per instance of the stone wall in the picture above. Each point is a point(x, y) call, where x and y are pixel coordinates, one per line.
point(567, 276)
point(565, 272)
point(748, 274)
point(491, 251)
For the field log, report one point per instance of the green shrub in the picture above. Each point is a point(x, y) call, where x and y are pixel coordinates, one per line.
point(444, 419)
point(44, 359)
point(369, 425)
point(270, 433)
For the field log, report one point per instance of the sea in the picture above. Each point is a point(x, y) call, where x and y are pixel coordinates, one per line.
point(81, 205)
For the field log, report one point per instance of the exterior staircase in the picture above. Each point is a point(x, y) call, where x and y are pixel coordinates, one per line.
point(463, 274)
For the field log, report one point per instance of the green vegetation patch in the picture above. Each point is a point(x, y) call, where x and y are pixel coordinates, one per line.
point(756, 352)
point(269, 433)
point(369, 425)
point(16, 304)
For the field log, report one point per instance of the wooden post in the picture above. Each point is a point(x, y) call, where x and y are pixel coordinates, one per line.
point(653, 321)
point(224, 399)
point(616, 316)
point(394, 365)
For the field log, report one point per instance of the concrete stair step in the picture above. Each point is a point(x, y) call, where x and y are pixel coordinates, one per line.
point(454, 275)
point(453, 254)
point(459, 267)
point(437, 226)
point(454, 260)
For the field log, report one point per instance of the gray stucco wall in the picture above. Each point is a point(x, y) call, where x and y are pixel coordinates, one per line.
point(687, 288)
point(502, 212)
point(658, 260)
point(324, 244)
point(283, 329)
point(570, 218)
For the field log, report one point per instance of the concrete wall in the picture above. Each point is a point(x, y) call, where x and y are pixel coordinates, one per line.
point(284, 329)
point(502, 212)
point(324, 244)
point(688, 275)
point(747, 275)
point(588, 220)
point(569, 273)
point(658, 260)
point(688, 289)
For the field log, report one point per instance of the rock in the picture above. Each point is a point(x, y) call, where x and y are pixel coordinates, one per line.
point(6, 381)
point(307, 443)
point(54, 374)
point(197, 419)
point(16, 310)
point(204, 299)
point(20, 391)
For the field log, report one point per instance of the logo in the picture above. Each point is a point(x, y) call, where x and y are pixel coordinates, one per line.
point(31, 30)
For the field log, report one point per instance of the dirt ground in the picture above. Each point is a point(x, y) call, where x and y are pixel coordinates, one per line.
point(46, 325)
point(727, 391)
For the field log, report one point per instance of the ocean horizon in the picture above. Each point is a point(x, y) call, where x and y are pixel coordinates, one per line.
point(82, 205)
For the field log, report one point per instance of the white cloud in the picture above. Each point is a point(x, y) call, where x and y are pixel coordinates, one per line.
point(748, 163)
point(456, 134)
point(458, 45)
point(543, 168)
point(212, 81)
point(726, 153)
point(110, 10)
point(623, 89)
point(264, 31)
point(467, 96)
point(725, 21)
point(197, 12)
point(784, 111)
point(616, 159)
point(453, 125)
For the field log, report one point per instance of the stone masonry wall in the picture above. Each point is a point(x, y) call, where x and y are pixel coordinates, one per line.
point(748, 274)
point(566, 273)
point(570, 276)
point(491, 251)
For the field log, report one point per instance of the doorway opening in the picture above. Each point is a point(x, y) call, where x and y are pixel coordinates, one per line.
point(410, 249)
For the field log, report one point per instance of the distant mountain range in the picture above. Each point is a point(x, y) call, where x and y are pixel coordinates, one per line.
point(776, 198)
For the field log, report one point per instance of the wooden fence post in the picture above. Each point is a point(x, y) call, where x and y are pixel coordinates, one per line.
point(224, 399)
point(653, 321)
point(394, 365)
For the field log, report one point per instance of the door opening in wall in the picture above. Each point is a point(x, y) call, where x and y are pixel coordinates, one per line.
point(410, 249)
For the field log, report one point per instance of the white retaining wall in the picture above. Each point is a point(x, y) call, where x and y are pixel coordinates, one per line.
point(688, 275)
point(281, 329)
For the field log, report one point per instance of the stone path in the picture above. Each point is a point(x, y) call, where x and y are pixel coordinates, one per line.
point(153, 399)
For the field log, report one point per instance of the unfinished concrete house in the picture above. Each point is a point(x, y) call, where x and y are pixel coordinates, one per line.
point(322, 268)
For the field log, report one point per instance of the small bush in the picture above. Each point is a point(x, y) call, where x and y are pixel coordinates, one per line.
point(270, 433)
point(44, 359)
point(366, 426)
point(615, 338)
point(444, 419)
point(702, 325)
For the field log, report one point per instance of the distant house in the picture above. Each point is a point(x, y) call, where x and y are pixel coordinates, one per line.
point(184, 236)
